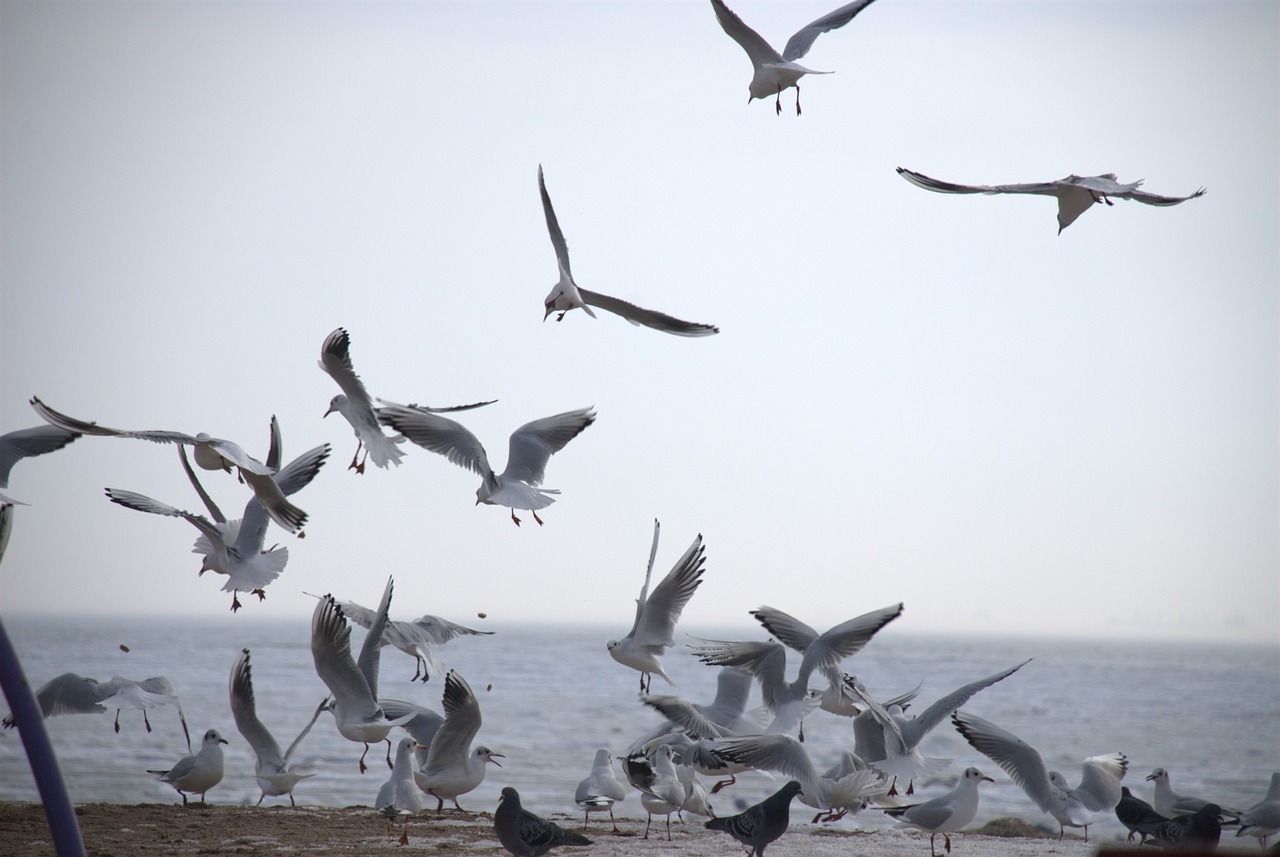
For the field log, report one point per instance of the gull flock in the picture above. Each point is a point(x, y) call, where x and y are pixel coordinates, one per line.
point(438, 755)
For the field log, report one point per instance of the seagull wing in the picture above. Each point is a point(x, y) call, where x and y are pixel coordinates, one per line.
point(789, 630)
point(461, 723)
point(1016, 757)
point(921, 180)
point(437, 631)
point(799, 44)
point(553, 226)
point(244, 710)
point(780, 753)
point(23, 443)
point(681, 712)
point(1155, 199)
point(914, 729)
point(143, 503)
point(335, 358)
point(656, 624)
point(214, 511)
point(760, 51)
point(832, 646)
point(438, 434)
point(297, 474)
point(331, 652)
point(533, 444)
point(646, 317)
point(369, 650)
point(1099, 787)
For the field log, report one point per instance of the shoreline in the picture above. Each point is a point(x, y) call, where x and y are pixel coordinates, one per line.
point(116, 830)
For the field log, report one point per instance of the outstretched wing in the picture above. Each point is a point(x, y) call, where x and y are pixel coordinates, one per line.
point(646, 317)
point(335, 358)
point(143, 503)
point(921, 180)
point(533, 444)
point(759, 51)
point(17, 445)
point(799, 44)
point(656, 624)
point(553, 226)
point(914, 730)
point(438, 434)
point(244, 710)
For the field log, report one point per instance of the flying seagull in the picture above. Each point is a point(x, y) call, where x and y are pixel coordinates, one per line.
point(74, 694)
point(531, 447)
point(566, 295)
point(1075, 193)
point(773, 71)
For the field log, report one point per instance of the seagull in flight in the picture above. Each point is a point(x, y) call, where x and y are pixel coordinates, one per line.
point(531, 447)
point(211, 453)
point(566, 295)
point(356, 406)
point(1075, 193)
point(773, 71)
point(24, 443)
point(653, 631)
point(453, 767)
point(75, 694)
point(416, 638)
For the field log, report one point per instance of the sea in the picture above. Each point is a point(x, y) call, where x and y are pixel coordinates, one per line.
point(551, 696)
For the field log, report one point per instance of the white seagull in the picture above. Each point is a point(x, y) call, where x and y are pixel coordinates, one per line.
point(945, 814)
point(74, 694)
point(1263, 818)
point(211, 453)
point(271, 769)
point(198, 773)
point(354, 685)
point(400, 795)
point(773, 71)
point(599, 790)
point(1093, 800)
point(452, 767)
point(531, 447)
point(661, 791)
point(653, 631)
point(24, 443)
point(356, 406)
point(416, 638)
point(1075, 194)
point(1170, 803)
point(566, 295)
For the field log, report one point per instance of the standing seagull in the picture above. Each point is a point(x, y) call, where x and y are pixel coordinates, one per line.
point(272, 770)
point(532, 446)
point(1263, 818)
point(526, 835)
point(353, 684)
point(400, 795)
point(197, 773)
point(773, 71)
point(661, 790)
point(356, 406)
point(945, 814)
point(566, 295)
point(653, 631)
point(1169, 803)
point(1075, 193)
point(452, 768)
point(1092, 801)
point(211, 453)
point(757, 826)
point(24, 443)
point(600, 789)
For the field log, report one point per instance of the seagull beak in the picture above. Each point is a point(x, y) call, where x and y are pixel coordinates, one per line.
point(494, 760)
point(988, 779)
point(550, 309)
point(1151, 776)
point(223, 741)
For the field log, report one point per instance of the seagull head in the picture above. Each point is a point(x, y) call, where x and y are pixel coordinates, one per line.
point(336, 403)
point(483, 752)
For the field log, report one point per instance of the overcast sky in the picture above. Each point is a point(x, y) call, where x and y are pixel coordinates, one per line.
point(915, 397)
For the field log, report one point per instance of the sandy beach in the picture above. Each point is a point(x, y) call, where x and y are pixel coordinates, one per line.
point(115, 830)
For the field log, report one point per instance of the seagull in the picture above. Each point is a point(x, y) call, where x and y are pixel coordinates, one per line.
point(850, 783)
point(599, 790)
point(653, 631)
point(724, 715)
point(1263, 818)
point(414, 638)
point(400, 795)
point(903, 736)
point(532, 445)
point(197, 773)
point(422, 724)
point(272, 770)
point(353, 684)
point(356, 406)
point(526, 835)
point(757, 826)
point(1169, 803)
point(566, 295)
point(74, 694)
point(661, 791)
point(702, 755)
point(1093, 800)
point(211, 453)
point(945, 814)
point(452, 767)
point(25, 443)
point(1138, 816)
point(1198, 832)
point(823, 653)
point(1075, 193)
point(773, 71)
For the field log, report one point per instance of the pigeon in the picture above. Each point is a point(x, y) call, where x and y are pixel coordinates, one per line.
point(1075, 193)
point(773, 72)
point(271, 769)
point(566, 295)
point(1197, 832)
point(197, 773)
point(945, 814)
point(757, 826)
point(527, 835)
point(653, 631)
point(531, 447)
point(74, 694)
point(400, 796)
point(356, 406)
point(1263, 818)
point(1093, 800)
point(452, 767)
point(599, 790)
point(25, 443)
point(1137, 815)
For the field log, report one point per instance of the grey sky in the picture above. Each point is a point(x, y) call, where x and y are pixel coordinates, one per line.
point(916, 397)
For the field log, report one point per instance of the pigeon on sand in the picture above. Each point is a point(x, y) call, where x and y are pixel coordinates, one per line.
point(524, 834)
point(757, 826)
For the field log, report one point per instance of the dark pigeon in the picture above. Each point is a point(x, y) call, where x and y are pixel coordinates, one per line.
point(1137, 815)
point(525, 834)
point(759, 825)
point(1196, 832)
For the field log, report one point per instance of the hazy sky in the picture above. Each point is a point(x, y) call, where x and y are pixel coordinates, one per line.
point(916, 397)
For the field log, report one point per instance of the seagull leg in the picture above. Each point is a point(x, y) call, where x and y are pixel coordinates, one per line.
point(354, 459)
point(946, 837)
point(615, 821)
point(514, 518)
point(235, 602)
point(911, 788)
point(404, 834)
point(646, 826)
point(389, 765)
point(262, 596)
point(668, 827)
point(184, 799)
point(724, 783)
point(536, 518)
point(117, 721)
point(893, 788)
point(585, 815)
point(145, 721)
point(459, 806)
point(360, 466)
point(439, 802)
point(797, 99)
point(363, 766)
point(777, 105)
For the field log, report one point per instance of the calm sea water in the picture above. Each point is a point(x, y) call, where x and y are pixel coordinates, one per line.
point(551, 696)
